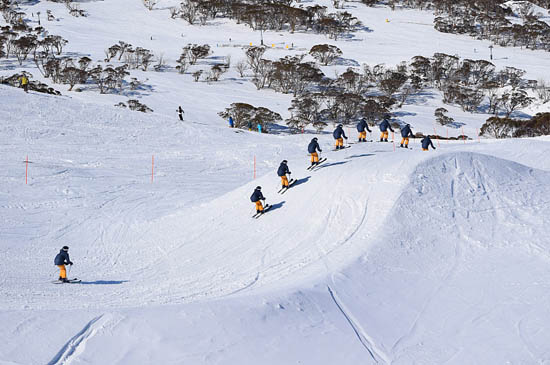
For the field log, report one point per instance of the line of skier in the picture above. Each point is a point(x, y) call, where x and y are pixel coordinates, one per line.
point(339, 135)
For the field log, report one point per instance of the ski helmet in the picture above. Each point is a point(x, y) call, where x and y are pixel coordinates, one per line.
point(314, 139)
point(258, 188)
point(285, 162)
point(340, 125)
point(65, 248)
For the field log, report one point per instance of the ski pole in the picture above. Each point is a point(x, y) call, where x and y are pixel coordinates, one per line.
point(70, 266)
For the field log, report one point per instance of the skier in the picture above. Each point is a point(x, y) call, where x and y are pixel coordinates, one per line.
point(426, 143)
point(61, 260)
point(339, 136)
point(24, 80)
point(406, 132)
point(231, 124)
point(180, 112)
point(384, 129)
point(361, 126)
point(282, 171)
point(312, 148)
point(257, 198)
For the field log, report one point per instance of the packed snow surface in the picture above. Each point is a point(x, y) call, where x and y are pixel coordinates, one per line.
point(382, 255)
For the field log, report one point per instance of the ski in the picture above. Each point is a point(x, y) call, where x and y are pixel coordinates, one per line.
point(318, 163)
point(266, 208)
point(71, 281)
point(340, 149)
point(292, 181)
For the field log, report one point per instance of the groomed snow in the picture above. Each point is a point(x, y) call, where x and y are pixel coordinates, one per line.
point(384, 255)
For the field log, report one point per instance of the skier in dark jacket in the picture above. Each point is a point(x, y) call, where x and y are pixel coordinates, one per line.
point(426, 143)
point(384, 126)
point(312, 148)
point(362, 128)
point(282, 171)
point(339, 136)
point(406, 132)
point(61, 260)
point(180, 112)
point(257, 198)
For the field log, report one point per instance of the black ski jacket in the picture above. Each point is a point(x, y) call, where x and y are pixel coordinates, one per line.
point(339, 133)
point(406, 132)
point(283, 170)
point(256, 195)
point(427, 142)
point(385, 125)
point(313, 147)
point(362, 125)
point(62, 258)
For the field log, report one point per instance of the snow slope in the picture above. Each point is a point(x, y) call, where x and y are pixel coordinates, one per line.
point(381, 256)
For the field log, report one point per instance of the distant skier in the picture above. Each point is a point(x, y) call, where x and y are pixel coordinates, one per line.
point(426, 143)
point(362, 128)
point(231, 124)
point(282, 172)
point(24, 81)
point(384, 126)
point(339, 136)
point(257, 198)
point(312, 148)
point(61, 260)
point(259, 128)
point(180, 113)
point(406, 132)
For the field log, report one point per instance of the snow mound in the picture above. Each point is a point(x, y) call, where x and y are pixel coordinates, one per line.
point(461, 274)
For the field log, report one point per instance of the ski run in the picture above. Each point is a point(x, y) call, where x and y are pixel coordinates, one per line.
point(371, 255)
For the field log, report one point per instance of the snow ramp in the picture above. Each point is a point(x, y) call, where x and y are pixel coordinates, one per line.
point(462, 275)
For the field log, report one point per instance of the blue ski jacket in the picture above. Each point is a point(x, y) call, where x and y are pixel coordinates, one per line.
point(406, 132)
point(362, 125)
point(427, 142)
point(385, 125)
point(257, 195)
point(283, 170)
point(339, 133)
point(313, 147)
point(62, 258)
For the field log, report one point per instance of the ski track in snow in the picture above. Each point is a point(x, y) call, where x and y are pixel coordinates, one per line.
point(366, 341)
point(77, 344)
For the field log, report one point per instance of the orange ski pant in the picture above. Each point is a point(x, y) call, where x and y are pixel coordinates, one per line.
point(62, 271)
point(284, 180)
point(314, 157)
point(259, 206)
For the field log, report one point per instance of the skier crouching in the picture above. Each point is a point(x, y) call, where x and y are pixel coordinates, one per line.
point(282, 171)
point(61, 260)
point(257, 198)
point(426, 143)
point(312, 148)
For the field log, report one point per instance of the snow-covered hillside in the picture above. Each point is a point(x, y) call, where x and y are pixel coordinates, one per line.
point(382, 255)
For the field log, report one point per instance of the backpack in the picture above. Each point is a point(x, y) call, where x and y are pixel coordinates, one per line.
point(253, 197)
point(335, 134)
